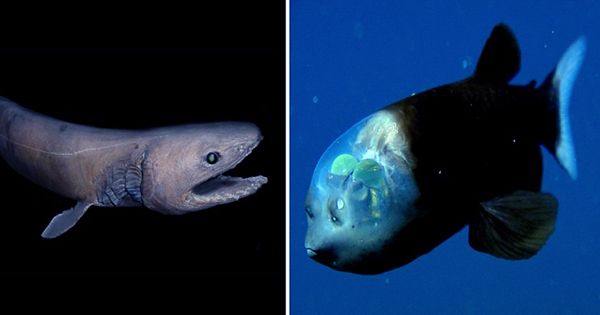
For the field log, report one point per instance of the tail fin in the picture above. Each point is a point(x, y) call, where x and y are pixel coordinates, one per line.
point(559, 85)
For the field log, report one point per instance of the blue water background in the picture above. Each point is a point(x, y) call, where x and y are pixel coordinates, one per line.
point(350, 58)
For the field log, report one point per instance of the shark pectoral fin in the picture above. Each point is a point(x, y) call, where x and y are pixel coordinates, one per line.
point(65, 220)
point(514, 226)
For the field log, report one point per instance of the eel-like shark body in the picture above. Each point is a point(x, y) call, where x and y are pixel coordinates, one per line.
point(172, 170)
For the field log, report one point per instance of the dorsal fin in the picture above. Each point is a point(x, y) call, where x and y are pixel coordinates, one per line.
point(500, 59)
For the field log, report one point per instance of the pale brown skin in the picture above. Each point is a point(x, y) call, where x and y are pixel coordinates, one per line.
point(165, 169)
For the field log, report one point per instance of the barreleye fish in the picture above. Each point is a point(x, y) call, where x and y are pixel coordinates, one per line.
point(172, 170)
point(406, 178)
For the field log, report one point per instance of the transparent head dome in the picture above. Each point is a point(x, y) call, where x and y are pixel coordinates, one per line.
point(362, 190)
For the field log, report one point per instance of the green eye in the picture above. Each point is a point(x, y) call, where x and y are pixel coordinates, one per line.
point(368, 172)
point(361, 193)
point(212, 158)
point(343, 165)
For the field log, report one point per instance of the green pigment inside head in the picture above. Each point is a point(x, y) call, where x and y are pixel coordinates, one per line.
point(343, 165)
point(369, 172)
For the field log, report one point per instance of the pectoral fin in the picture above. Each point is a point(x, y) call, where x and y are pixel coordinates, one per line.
point(514, 226)
point(65, 220)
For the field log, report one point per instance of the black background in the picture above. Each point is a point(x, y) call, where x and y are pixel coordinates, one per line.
point(130, 68)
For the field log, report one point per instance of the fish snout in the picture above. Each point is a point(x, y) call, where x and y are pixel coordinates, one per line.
point(323, 256)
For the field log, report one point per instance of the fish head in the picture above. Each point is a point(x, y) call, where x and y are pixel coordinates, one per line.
point(184, 170)
point(361, 195)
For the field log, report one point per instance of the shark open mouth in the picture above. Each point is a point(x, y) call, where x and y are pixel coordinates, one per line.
point(228, 187)
point(224, 189)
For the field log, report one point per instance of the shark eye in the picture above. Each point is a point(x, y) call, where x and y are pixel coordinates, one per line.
point(212, 157)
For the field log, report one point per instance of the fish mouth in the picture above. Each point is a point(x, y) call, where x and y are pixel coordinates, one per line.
point(221, 188)
point(311, 252)
point(324, 257)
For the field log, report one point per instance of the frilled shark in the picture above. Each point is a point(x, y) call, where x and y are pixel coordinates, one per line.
point(172, 170)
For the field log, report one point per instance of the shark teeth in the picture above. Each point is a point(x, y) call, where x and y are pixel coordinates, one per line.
point(224, 189)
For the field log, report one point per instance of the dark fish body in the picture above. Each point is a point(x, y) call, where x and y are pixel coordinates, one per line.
point(411, 175)
point(467, 154)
